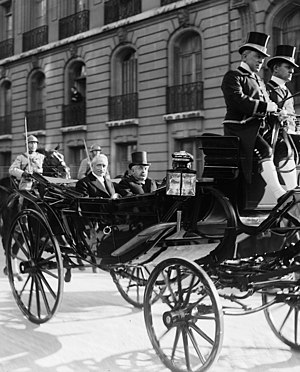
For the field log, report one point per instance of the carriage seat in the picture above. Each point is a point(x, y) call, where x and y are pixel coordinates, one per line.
point(221, 156)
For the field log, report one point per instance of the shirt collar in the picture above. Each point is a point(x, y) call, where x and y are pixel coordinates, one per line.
point(101, 179)
point(279, 81)
point(246, 67)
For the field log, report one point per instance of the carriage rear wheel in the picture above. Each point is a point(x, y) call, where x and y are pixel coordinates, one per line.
point(131, 282)
point(183, 316)
point(34, 265)
point(284, 316)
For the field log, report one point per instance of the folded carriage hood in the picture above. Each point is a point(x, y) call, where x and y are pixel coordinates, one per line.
point(141, 237)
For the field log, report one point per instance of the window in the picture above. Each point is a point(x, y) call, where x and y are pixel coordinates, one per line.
point(185, 92)
point(287, 31)
point(5, 107)
point(123, 156)
point(36, 114)
point(7, 24)
point(35, 24)
point(123, 104)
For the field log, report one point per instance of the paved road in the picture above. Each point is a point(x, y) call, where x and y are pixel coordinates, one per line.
point(96, 331)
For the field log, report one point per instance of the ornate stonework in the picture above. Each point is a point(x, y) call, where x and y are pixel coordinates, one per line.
point(122, 35)
point(184, 17)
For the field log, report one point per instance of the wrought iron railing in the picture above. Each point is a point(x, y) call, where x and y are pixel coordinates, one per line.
point(186, 97)
point(36, 120)
point(114, 10)
point(123, 107)
point(166, 2)
point(35, 38)
point(74, 114)
point(74, 24)
point(5, 124)
point(6, 48)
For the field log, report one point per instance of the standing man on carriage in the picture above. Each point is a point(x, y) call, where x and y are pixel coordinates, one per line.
point(282, 66)
point(27, 163)
point(248, 103)
point(85, 165)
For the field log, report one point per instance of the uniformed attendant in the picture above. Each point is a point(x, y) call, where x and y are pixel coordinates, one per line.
point(137, 181)
point(23, 167)
point(85, 168)
point(282, 66)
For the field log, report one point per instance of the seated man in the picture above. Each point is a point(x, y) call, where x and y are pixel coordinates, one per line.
point(95, 184)
point(137, 181)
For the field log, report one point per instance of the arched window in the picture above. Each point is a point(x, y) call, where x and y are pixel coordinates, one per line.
point(185, 92)
point(74, 109)
point(287, 31)
point(36, 114)
point(5, 107)
point(187, 59)
point(124, 99)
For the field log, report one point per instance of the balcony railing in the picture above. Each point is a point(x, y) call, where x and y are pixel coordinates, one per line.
point(36, 120)
point(74, 24)
point(6, 48)
point(5, 125)
point(186, 97)
point(114, 10)
point(166, 2)
point(35, 38)
point(74, 114)
point(123, 107)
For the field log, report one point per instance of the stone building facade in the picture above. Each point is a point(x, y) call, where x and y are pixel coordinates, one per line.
point(148, 73)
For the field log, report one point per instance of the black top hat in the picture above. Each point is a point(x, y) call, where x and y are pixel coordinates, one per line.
point(284, 53)
point(256, 41)
point(138, 158)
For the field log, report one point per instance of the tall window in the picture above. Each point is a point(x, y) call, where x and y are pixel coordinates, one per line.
point(288, 32)
point(187, 59)
point(123, 156)
point(36, 114)
point(35, 14)
point(7, 31)
point(123, 104)
point(5, 107)
point(69, 7)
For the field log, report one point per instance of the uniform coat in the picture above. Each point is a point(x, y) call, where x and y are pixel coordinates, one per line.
point(92, 187)
point(20, 165)
point(245, 98)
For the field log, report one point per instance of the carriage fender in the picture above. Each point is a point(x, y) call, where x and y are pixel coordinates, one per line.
point(142, 237)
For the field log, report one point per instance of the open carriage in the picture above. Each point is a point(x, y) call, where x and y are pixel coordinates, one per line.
point(188, 250)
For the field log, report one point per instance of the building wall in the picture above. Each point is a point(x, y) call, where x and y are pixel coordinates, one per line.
point(223, 26)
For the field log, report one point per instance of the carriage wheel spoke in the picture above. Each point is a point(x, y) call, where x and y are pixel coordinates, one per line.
point(202, 334)
point(39, 279)
point(186, 348)
point(296, 325)
point(194, 342)
point(175, 343)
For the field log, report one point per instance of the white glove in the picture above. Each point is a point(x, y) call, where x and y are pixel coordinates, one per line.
point(272, 107)
point(283, 115)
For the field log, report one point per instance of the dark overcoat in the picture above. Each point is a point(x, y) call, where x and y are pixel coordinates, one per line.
point(246, 103)
point(91, 186)
point(130, 186)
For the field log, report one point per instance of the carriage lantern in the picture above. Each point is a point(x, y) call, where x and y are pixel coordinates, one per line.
point(181, 180)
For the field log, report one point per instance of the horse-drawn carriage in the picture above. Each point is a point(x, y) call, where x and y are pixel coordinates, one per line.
point(181, 253)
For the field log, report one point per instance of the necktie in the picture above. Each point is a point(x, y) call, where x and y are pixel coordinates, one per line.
point(264, 95)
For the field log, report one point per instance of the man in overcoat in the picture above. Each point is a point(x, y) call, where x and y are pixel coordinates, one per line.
point(137, 182)
point(282, 66)
point(96, 184)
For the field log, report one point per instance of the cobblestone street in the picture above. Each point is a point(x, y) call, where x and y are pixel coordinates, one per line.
point(96, 330)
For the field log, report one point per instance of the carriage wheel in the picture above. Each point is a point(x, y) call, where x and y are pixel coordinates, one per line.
point(35, 267)
point(131, 282)
point(184, 320)
point(284, 316)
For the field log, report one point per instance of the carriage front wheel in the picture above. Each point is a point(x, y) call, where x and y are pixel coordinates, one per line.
point(183, 316)
point(34, 265)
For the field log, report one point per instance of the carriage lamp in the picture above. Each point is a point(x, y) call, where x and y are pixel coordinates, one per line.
point(181, 180)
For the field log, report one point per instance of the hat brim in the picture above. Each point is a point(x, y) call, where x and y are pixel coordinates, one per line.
point(273, 60)
point(254, 47)
point(132, 164)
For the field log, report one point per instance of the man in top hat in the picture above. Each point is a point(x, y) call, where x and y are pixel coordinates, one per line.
point(25, 164)
point(282, 66)
point(96, 184)
point(85, 167)
point(137, 182)
point(247, 103)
